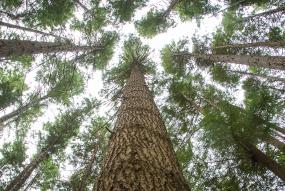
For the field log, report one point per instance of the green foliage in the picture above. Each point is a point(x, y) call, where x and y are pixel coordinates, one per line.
point(102, 57)
point(276, 34)
point(134, 52)
point(50, 13)
point(12, 86)
point(10, 4)
point(49, 173)
point(260, 100)
point(93, 21)
point(221, 75)
point(153, 23)
point(189, 9)
point(174, 64)
point(13, 153)
point(123, 10)
point(63, 78)
point(231, 22)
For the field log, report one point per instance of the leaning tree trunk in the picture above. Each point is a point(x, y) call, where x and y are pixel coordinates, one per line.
point(274, 44)
point(271, 78)
point(26, 47)
point(272, 62)
point(279, 9)
point(22, 109)
point(87, 171)
point(260, 157)
point(21, 178)
point(27, 29)
point(140, 155)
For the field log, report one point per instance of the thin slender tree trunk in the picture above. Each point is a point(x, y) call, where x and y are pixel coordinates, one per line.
point(140, 155)
point(26, 47)
point(21, 178)
point(262, 158)
point(272, 62)
point(275, 142)
point(169, 8)
point(87, 170)
point(27, 29)
point(276, 44)
point(22, 109)
point(279, 129)
point(271, 78)
point(81, 5)
point(279, 9)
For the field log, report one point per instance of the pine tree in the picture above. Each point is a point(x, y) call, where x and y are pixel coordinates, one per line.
point(139, 137)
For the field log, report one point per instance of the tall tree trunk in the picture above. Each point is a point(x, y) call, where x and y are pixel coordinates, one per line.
point(81, 5)
point(26, 47)
point(82, 182)
point(21, 178)
point(22, 109)
point(279, 9)
point(271, 78)
point(275, 142)
point(276, 44)
point(272, 62)
point(140, 155)
point(27, 29)
point(262, 158)
point(169, 8)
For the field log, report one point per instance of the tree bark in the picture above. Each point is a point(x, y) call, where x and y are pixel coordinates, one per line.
point(140, 155)
point(26, 47)
point(271, 78)
point(262, 158)
point(27, 29)
point(276, 44)
point(272, 62)
point(22, 109)
point(279, 9)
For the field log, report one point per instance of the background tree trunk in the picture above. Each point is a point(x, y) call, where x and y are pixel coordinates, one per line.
point(26, 47)
point(140, 155)
point(276, 44)
point(272, 62)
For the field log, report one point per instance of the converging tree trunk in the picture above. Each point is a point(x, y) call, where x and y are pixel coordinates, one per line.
point(22, 177)
point(279, 9)
point(22, 109)
point(258, 156)
point(272, 62)
point(271, 78)
point(274, 44)
point(27, 29)
point(26, 47)
point(87, 171)
point(140, 155)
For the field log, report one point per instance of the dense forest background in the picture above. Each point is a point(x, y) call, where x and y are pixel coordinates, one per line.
point(215, 69)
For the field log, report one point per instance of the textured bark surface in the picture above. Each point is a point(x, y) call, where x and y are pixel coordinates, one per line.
point(272, 62)
point(140, 155)
point(262, 158)
point(26, 47)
